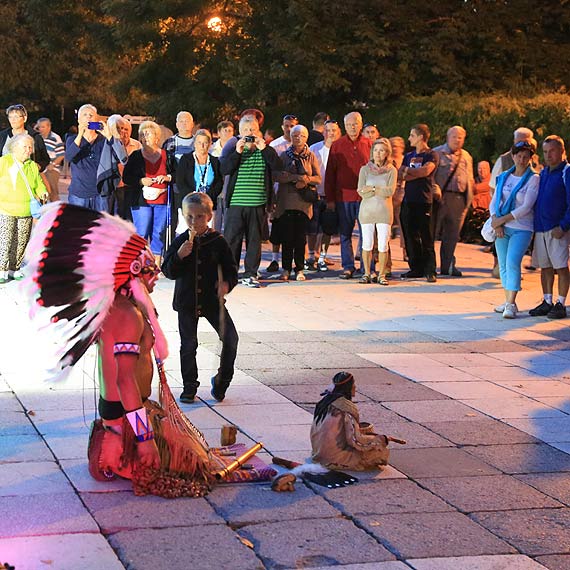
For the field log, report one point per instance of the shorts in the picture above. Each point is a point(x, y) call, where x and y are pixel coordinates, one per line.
point(550, 252)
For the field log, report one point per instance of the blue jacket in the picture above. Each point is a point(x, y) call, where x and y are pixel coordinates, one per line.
point(552, 207)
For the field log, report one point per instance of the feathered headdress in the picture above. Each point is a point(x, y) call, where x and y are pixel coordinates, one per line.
point(77, 259)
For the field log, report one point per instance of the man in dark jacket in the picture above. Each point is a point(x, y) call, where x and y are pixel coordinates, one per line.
point(249, 194)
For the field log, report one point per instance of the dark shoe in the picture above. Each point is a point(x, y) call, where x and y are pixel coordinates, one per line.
point(309, 266)
point(453, 273)
point(218, 390)
point(543, 309)
point(530, 267)
point(346, 274)
point(557, 312)
point(411, 275)
point(188, 397)
point(388, 275)
point(322, 266)
point(273, 267)
point(431, 278)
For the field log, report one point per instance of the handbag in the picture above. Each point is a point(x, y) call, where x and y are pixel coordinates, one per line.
point(309, 194)
point(35, 203)
point(488, 232)
point(152, 193)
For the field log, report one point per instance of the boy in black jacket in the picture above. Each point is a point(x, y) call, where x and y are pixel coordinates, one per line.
point(205, 271)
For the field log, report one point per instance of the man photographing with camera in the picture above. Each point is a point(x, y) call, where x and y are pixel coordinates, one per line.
point(93, 155)
point(249, 194)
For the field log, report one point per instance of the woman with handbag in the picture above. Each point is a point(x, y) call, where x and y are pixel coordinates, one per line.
point(376, 186)
point(148, 173)
point(512, 218)
point(296, 194)
point(20, 186)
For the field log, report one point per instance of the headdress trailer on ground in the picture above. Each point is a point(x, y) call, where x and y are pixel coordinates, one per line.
point(76, 260)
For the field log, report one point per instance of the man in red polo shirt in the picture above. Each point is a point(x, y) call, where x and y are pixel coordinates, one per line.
point(348, 154)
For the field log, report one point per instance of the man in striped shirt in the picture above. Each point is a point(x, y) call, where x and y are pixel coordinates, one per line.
point(56, 151)
point(249, 194)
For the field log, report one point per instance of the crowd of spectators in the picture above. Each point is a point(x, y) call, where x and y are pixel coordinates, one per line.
point(301, 188)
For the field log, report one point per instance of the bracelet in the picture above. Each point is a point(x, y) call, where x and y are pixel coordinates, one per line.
point(141, 424)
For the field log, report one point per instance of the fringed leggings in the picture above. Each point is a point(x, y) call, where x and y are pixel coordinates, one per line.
point(14, 236)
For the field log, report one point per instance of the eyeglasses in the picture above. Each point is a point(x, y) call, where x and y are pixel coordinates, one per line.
point(290, 118)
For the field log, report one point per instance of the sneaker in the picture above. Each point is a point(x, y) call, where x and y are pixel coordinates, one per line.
point(187, 398)
point(453, 273)
point(431, 278)
point(411, 275)
point(541, 310)
point(300, 276)
point(557, 312)
point(218, 390)
point(273, 267)
point(322, 265)
point(510, 311)
point(3, 277)
point(18, 275)
point(500, 308)
point(309, 265)
point(250, 282)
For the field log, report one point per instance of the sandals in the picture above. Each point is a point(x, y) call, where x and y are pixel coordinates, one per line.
point(383, 281)
point(365, 279)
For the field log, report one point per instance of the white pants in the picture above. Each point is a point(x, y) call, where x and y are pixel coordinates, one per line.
point(368, 236)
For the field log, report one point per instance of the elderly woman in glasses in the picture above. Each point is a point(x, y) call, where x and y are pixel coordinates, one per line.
point(19, 181)
point(148, 173)
point(512, 215)
point(17, 117)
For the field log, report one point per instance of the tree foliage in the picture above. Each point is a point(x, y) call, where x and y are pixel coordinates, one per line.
point(143, 56)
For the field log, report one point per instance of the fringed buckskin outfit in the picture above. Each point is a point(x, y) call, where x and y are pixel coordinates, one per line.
point(338, 442)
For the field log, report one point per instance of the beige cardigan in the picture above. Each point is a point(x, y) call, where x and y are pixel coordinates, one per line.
point(376, 191)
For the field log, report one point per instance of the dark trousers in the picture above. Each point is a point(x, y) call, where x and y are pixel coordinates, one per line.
point(418, 235)
point(188, 328)
point(293, 229)
point(347, 216)
point(119, 203)
point(245, 221)
point(450, 218)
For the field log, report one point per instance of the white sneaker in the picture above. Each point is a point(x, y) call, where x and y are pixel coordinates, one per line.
point(4, 276)
point(510, 311)
point(500, 308)
point(18, 275)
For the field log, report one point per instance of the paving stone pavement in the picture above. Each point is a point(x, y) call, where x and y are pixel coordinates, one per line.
point(483, 482)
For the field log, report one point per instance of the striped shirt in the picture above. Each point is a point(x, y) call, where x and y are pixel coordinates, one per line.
point(250, 183)
point(54, 146)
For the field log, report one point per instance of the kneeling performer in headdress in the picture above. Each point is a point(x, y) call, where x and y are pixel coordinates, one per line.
point(88, 277)
point(337, 437)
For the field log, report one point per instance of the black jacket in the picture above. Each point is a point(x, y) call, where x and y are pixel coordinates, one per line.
point(40, 154)
point(230, 166)
point(197, 275)
point(135, 170)
point(186, 183)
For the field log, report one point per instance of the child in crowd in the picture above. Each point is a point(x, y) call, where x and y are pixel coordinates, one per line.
point(205, 271)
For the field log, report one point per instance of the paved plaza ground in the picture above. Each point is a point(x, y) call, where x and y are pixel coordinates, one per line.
point(483, 482)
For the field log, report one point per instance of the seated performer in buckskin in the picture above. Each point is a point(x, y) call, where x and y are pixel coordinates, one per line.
point(88, 277)
point(338, 438)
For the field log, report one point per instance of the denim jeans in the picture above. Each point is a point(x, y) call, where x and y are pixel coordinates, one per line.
point(510, 251)
point(347, 215)
point(99, 203)
point(150, 222)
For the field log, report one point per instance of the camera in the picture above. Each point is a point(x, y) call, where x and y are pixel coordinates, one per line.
point(249, 139)
point(95, 125)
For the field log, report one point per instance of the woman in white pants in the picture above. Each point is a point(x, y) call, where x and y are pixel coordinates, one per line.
point(376, 185)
